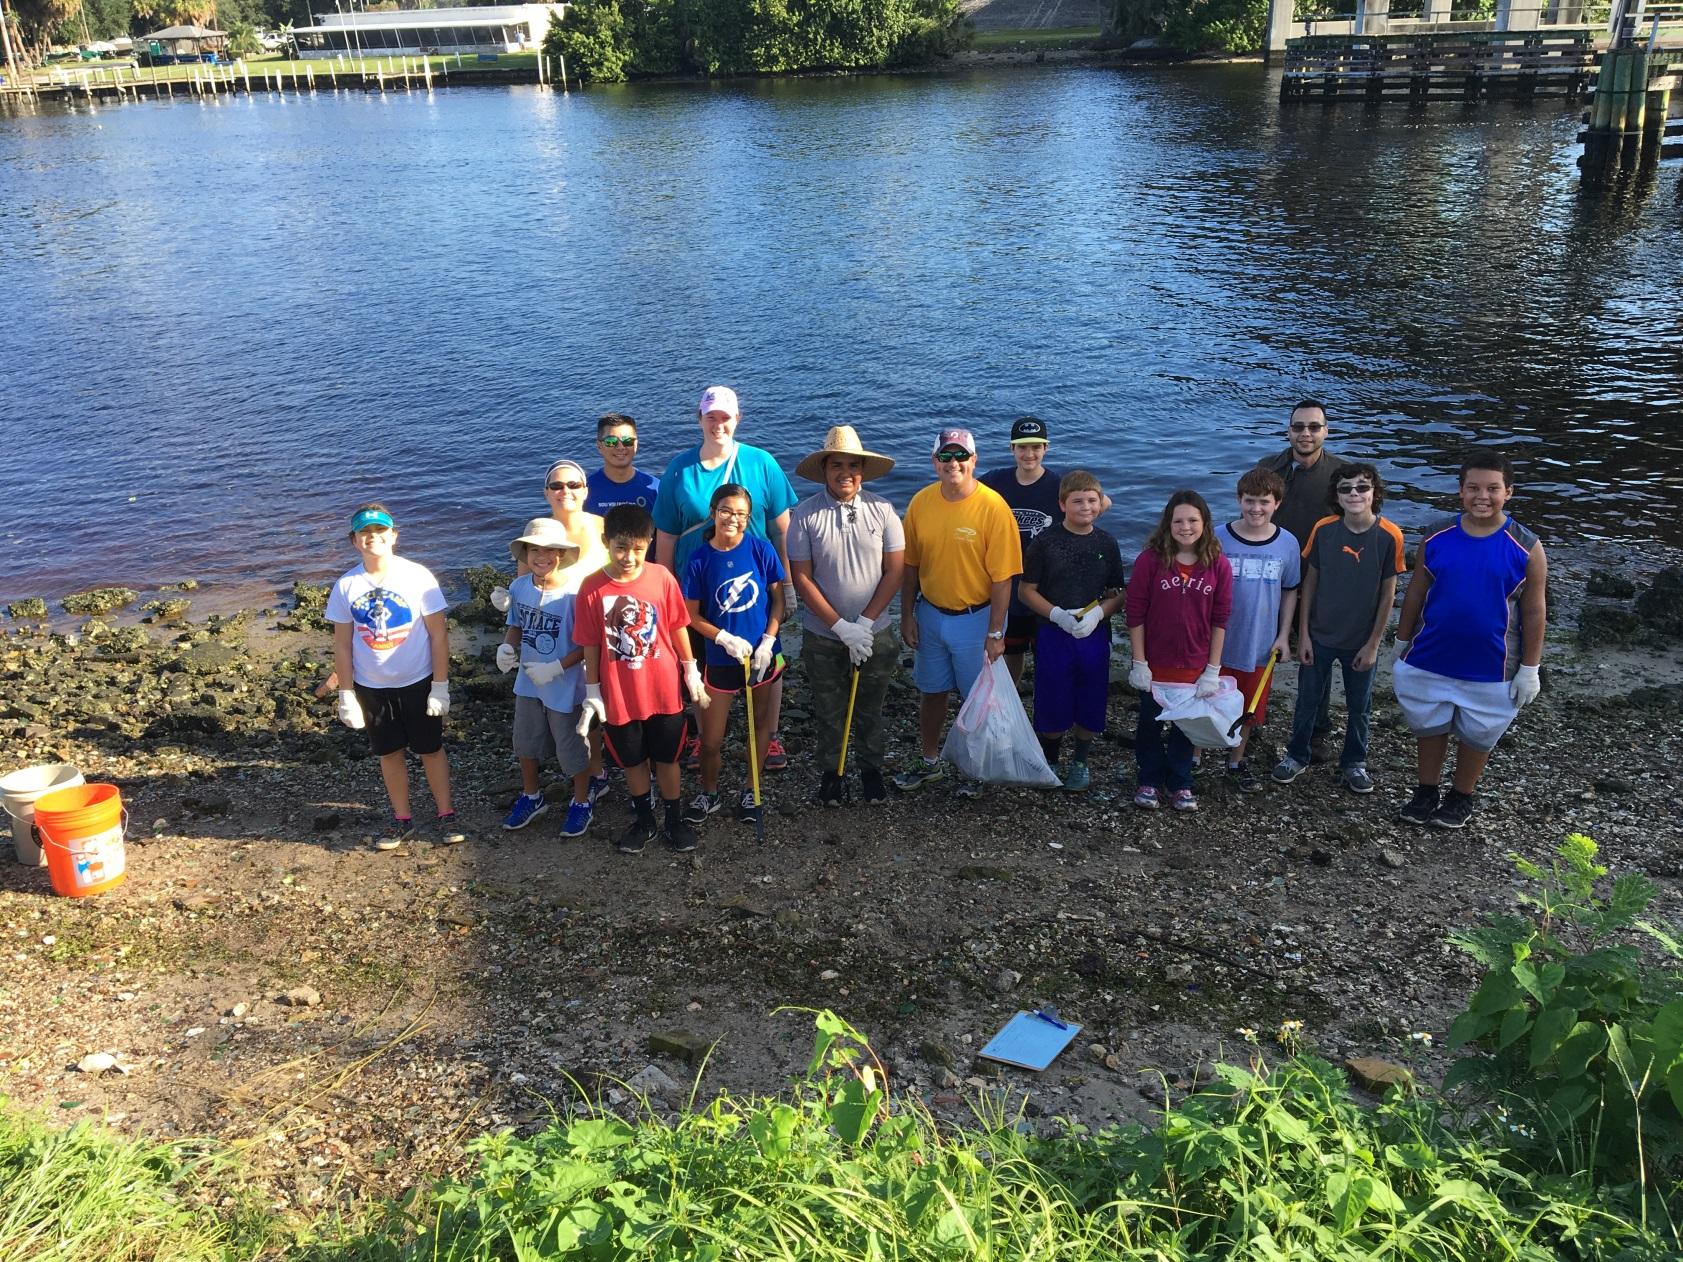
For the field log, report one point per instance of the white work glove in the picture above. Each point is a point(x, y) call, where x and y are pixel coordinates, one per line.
point(1063, 620)
point(438, 700)
point(1525, 686)
point(591, 708)
point(350, 710)
point(867, 645)
point(790, 604)
point(693, 684)
point(733, 646)
point(508, 657)
point(500, 599)
point(1139, 675)
point(541, 673)
point(763, 655)
point(853, 636)
point(1209, 681)
point(1088, 623)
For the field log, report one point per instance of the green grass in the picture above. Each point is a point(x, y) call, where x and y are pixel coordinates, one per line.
point(1056, 38)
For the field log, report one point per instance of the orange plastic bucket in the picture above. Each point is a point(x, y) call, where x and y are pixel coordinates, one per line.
point(82, 832)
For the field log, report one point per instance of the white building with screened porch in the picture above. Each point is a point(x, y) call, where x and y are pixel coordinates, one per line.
point(489, 28)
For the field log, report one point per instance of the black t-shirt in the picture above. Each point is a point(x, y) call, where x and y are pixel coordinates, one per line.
point(1034, 506)
point(1072, 570)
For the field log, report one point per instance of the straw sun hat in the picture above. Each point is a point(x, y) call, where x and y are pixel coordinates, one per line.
point(842, 441)
point(545, 532)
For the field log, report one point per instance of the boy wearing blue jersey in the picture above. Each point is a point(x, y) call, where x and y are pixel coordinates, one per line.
point(733, 588)
point(1470, 639)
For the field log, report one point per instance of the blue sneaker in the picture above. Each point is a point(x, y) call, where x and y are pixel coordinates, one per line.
point(577, 823)
point(599, 786)
point(527, 807)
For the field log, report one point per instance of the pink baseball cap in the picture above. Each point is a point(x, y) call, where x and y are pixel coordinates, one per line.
point(718, 399)
point(954, 438)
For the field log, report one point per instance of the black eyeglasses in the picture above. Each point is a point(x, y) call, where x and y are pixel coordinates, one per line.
point(614, 441)
point(1307, 427)
point(1356, 488)
point(565, 486)
point(953, 457)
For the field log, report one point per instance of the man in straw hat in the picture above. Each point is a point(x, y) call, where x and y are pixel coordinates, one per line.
point(846, 555)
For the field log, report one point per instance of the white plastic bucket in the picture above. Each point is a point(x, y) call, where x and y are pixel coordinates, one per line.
point(19, 791)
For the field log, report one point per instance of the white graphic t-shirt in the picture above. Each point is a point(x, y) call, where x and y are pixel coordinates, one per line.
point(390, 647)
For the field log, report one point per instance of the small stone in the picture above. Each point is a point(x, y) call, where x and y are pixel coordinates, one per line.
point(1098, 1051)
point(326, 822)
point(96, 1063)
point(195, 1031)
point(652, 1080)
point(31, 607)
point(1376, 1075)
point(1391, 858)
point(681, 1044)
point(692, 1006)
point(125, 996)
point(1007, 980)
point(236, 1012)
point(828, 975)
point(980, 1084)
point(1321, 857)
point(1178, 973)
point(299, 997)
point(1113, 1061)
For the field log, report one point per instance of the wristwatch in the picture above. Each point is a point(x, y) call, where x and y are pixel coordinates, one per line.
point(996, 635)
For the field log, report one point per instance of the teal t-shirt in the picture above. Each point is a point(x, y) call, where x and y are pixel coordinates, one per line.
point(687, 487)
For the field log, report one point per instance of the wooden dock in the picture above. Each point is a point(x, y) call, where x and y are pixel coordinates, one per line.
point(1460, 65)
point(111, 84)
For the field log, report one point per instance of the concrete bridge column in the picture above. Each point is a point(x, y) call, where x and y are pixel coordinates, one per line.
point(1373, 17)
point(1280, 13)
point(1517, 15)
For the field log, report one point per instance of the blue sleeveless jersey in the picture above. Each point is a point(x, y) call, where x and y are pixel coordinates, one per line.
point(1470, 624)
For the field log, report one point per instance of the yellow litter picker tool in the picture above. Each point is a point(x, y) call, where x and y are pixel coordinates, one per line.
point(847, 727)
point(1256, 697)
point(753, 747)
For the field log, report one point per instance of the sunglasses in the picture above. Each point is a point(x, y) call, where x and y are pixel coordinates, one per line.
point(1356, 488)
point(1307, 427)
point(564, 486)
point(953, 457)
point(614, 441)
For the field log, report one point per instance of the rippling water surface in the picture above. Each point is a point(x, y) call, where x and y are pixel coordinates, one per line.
point(228, 323)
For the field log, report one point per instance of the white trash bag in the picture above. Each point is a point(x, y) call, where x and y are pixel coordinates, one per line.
point(992, 739)
point(1204, 720)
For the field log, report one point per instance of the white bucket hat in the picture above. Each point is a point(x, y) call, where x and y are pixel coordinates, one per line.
point(545, 532)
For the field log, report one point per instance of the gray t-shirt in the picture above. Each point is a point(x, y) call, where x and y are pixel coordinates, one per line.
point(1352, 568)
point(845, 543)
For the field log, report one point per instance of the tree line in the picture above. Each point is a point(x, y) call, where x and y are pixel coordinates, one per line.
point(608, 41)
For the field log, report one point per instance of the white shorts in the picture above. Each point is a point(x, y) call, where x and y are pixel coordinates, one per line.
point(1433, 705)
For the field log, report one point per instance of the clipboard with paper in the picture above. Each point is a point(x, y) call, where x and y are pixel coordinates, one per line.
point(1031, 1040)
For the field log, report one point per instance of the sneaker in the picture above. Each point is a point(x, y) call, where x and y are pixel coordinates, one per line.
point(746, 811)
point(599, 787)
point(969, 789)
point(1079, 777)
point(527, 807)
point(638, 833)
point(777, 758)
point(701, 806)
point(832, 791)
point(692, 754)
point(1182, 800)
point(577, 823)
point(397, 832)
point(1456, 810)
point(1146, 799)
point(681, 837)
point(1357, 780)
point(924, 771)
point(871, 786)
point(1286, 770)
point(1419, 808)
point(1243, 779)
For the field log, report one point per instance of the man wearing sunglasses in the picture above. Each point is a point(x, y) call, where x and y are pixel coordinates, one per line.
point(1307, 468)
point(619, 480)
point(962, 551)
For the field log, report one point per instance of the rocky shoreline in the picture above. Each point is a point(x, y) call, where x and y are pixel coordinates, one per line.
point(350, 1018)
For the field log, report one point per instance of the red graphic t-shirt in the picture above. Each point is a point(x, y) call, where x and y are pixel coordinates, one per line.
point(635, 624)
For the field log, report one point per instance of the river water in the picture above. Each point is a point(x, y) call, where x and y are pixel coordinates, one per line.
point(227, 323)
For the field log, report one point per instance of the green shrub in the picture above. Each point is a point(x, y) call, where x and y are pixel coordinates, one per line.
point(1578, 1032)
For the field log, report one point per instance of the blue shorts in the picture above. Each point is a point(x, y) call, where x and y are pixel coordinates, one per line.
point(950, 649)
point(1071, 680)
